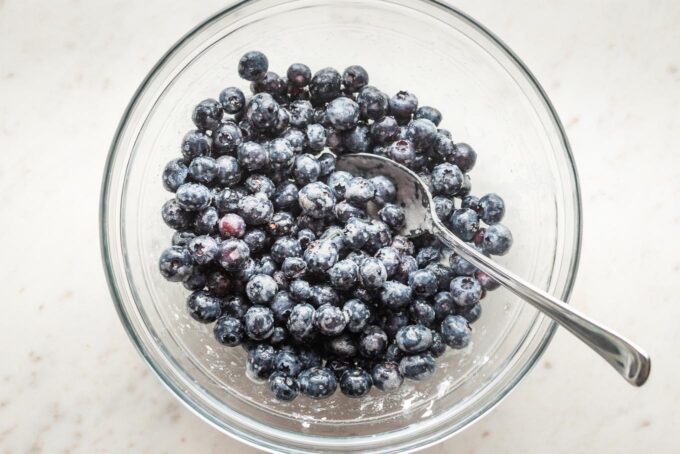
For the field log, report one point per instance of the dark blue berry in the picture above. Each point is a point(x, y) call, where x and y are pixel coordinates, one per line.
point(193, 196)
point(355, 382)
point(235, 306)
point(260, 363)
point(325, 86)
point(259, 322)
point(446, 179)
point(324, 294)
point(486, 281)
point(357, 140)
point(470, 201)
point(279, 336)
point(207, 114)
point(421, 133)
point(299, 74)
point(373, 104)
point(460, 266)
point(256, 209)
point(203, 307)
point(403, 152)
point(261, 288)
point(270, 83)
point(413, 338)
point(281, 307)
point(226, 200)
point(317, 382)
point(301, 321)
point(403, 105)
point(228, 331)
point(182, 238)
point(343, 211)
point(306, 169)
point(316, 137)
point(356, 233)
point(438, 346)
point(293, 267)
point(466, 291)
point(464, 223)
point(393, 215)
point(342, 113)
point(284, 247)
point(386, 376)
point(389, 258)
point(443, 273)
point(428, 255)
point(443, 206)
point(287, 363)
point(385, 190)
point(379, 235)
point(308, 358)
point(262, 111)
point(429, 113)
point(206, 220)
point(175, 174)
point(470, 313)
point(354, 78)
point(284, 387)
point(392, 353)
point(305, 236)
point(497, 240)
point(358, 315)
point(392, 322)
point(464, 157)
point(316, 200)
point(300, 290)
point(175, 216)
point(196, 143)
point(253, 66)
point(285, 196)
point(372, 273)
point(203, 249)
point(232, 100)
point(175, 264)
point(384, 130)
point(422, 312)
point(455, 331)
point(232, 226)
point(252, 156)
point(234, 254)
point(395, 295)
point(491, 208)
point(373, 342)
point(196, 281)
point(226, 138)
point(407, 265)
point(343, 275)
point(329, 320)
point(320, 255)
point(443, 305)
point(417, 367)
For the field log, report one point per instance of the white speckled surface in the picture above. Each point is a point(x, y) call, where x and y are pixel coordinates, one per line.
point(72, 382)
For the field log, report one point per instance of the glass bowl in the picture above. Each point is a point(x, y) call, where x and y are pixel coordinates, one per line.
point(488, 99)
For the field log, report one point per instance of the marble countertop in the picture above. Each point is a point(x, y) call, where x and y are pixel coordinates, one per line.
point(72, 382)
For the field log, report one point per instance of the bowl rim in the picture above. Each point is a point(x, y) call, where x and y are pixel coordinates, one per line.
point(105, 246)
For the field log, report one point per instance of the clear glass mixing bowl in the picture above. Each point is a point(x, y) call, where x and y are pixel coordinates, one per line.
point(488, 99)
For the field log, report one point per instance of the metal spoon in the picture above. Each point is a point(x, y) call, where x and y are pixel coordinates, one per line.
point(629, 360)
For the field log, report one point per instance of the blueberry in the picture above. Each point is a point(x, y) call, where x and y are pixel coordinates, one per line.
point(386, 376)
point(417, 367)
point(253, 66)
point(486, 281)
point(372, 273)
point(296, 139)
point(395, 295)
point(464, 157)
point(403, 152)
point(228, 331)
point(414, 338)
point(256, 240)
point(261, 289)
point(293, 267)
point(182, 238)
point(299, 74)
point(226, 200)
point(175, 264)
point(354, 78)
point(497, 240)
point(357, 140)
point(281, 307)
point(306, 169)
point(175, 216)
point(260, 363)
point(407, 265)
point(308, 358)
point(300, 114)
point(320, 255)
point(315, 225)
point(343, 211)
point(270, 83)
point(384, 130)
point(443, 273)
point(280, 124)
point(358, 313)
point(252, 156)
point(470, 201)
point(422, 312)
point(389, 258)
point(196, 281)
point(385, 190)
point(203, 307)
point(255, 210)
point(338, 366)
point(317, 382)
point(355, 382)
point(438, 346)
point(285, 196)
point(373, 104)
point(443, 147)
point(491, 208)
point(262, 111)
point(443, 305)
point(342, 113)
point(403, 105)
point(203, 249)
point(379, 235)
point(206, 220)
point(443, 206)
point(393, 215)
point(325, 86)
point(470, 313)
point(324, 294)
point(259, 183)
point(196, 143)
point(393, 322)
point(283, 387)
point(234, 254)
point(258, 321)
point(175, 174)
point(232, 100)
point(285, 247)
point(232, 226)
point(329, 320)
point(243, 274)
point(343, 275)
point(464, 223)
point(226, 138)
point(287, 363)
point(429, 113)
point(421, 132)
point(207, 114)
point(300, 322)
point(373, 342)
point(305, 236)
point(316, 200)
point(338, 182)
point(403, 245)
point(316, 137)
point(234, 306)
point(193, 196)
point(460, 266)
point(466, 291)
point(455, 331)
point(447, 179)
point(300, 290)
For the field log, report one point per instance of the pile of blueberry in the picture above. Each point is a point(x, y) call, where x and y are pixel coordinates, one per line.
point(279, 248)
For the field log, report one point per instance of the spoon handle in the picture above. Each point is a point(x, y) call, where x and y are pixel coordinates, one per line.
point(629, 360)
